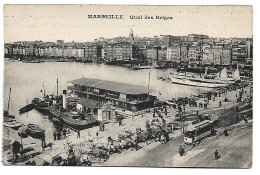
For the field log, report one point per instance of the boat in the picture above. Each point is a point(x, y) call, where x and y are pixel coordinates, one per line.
point(73, 119)
point(41, 105)
point(213, 82)
point(6, 112)
point(35, 131)
point(194, 82)
point(26, 108)
point(141, 67)
point(12, 123)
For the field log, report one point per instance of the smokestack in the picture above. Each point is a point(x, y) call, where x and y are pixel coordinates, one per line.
point(64, 99)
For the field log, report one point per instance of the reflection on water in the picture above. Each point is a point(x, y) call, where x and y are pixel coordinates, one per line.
point(27, 79)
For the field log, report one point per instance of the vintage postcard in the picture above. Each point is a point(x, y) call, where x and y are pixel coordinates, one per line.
point(128, 85)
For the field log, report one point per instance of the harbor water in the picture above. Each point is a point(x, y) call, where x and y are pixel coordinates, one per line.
point(27, 79)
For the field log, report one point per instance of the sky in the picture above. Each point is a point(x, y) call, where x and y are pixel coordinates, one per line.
point(71, 22)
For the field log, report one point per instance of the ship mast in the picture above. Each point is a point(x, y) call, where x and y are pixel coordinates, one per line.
point(57, 86)
point(43, 90)
point(9, 99)
point(149, 81)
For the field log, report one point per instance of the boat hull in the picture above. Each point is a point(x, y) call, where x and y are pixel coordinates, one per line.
point(34, 131)
point(13, 125)
point(68, 121)
point(187, 82)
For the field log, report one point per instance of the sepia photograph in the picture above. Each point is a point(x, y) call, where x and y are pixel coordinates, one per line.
point(128, 85)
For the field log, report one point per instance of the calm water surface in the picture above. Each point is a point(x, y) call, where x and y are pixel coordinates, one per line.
point(27, 79)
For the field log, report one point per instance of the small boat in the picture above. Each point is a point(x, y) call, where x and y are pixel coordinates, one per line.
point(141, 67)
point(26, 108)
point(12, 123)
point(35, 131)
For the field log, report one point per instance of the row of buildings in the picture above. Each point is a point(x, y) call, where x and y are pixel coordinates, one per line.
point(194, 49)
point(217, 54)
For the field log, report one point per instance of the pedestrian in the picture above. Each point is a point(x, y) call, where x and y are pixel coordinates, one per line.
point(167, 138)
point(97, 134)
point(181, 151)
point(220, 104)
point(103, 127)
point(54, 135)
point(245, 119)
point(136, 143)
point(64, 133)
point(226, 132)
point(58, 135)
point(43, 140)
point(78, 136)
point(216, 155)
point(100, 126)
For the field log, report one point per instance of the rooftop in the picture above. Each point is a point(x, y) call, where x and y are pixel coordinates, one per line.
point(112, 86)
point(88, 103)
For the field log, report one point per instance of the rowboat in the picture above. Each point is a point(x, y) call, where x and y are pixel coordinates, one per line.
point(35, 131)
point(12, 123)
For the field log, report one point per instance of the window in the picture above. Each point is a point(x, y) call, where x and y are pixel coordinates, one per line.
point(190, 134)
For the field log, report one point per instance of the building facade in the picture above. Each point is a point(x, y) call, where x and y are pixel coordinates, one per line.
point(122, 96)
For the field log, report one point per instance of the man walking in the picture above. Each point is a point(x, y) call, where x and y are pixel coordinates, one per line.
point(54, 135)
point(78, 134)
point(216, 155)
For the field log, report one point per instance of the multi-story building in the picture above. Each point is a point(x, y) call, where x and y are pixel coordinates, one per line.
point(162, 54)
point(249, 49)
point(122, 96)
point(93, 52)
point(174, 53)
point(216, 54)
point(69, 52)
point(196, 37)
point(220, 54)
point(226, 57)
point(239, 53)
point(29, 50)
point(168, 40)
point(206, 59)
point(124, 51)
point(192, 53)
point(152, 54)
